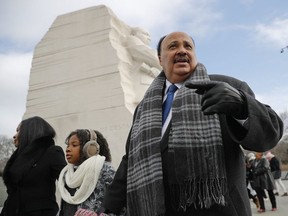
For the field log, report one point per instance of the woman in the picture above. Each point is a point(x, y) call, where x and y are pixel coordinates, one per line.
point(83, 181)
point(263, 181)
point(32, 170)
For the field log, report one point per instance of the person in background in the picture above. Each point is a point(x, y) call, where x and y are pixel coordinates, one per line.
point(263, 180)
point(249, 179)
point(191, 162)
point(32, 170)
point(276, 172)
point(83, 181)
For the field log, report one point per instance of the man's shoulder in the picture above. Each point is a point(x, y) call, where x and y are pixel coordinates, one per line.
point(274, 159)
point(236, 83)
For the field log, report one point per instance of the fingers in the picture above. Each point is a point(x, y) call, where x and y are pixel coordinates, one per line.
point(202, 86)
point(217, 97)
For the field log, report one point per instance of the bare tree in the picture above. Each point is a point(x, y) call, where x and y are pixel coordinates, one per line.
point(283, 49)
point(6, 149)
point(281, 150)
point(284, 117)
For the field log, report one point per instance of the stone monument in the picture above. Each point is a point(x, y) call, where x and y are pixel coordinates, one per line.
point(90, 70)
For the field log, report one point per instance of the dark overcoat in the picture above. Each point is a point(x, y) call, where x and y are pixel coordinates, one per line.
point(263, 176)
point(261, 132)
point(30, 180)
point(275, 167)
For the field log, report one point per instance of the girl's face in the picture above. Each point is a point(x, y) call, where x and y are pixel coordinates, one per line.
point(16, 136)
point(73, 150)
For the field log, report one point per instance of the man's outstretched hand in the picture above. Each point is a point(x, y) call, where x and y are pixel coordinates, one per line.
point(220, 97)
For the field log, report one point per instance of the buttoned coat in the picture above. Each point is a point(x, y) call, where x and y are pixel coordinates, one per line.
point(263, 176)
point(260, 132)
point(30, 180)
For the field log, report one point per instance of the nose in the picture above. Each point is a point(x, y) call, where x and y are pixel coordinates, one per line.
point(67, 148)
point(181, 51)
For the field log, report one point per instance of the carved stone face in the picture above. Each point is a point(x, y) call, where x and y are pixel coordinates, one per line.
point(142, 35)
point(178, 58)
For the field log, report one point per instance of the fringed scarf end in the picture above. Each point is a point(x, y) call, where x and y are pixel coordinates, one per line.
point(202, 194)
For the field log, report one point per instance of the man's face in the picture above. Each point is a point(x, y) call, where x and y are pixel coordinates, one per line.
point(178, 57)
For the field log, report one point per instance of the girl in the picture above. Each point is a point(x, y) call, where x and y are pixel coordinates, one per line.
point(83, 181)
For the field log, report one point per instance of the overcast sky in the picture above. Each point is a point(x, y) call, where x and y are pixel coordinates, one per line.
point(240, 38)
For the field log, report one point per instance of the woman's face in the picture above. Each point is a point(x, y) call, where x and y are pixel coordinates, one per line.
point(73, 150)
point(258, 155)
point(16, 136)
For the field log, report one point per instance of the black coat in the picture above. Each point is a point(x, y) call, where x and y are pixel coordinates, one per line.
point(30, 180)
point(275, 167)
point(263, 176)
point(261, 132)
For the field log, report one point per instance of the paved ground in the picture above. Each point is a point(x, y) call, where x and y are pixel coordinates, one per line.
point(282, 205)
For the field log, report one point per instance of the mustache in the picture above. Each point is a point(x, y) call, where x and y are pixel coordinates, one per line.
point(181, 58)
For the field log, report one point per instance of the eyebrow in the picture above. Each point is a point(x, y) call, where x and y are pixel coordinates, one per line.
point(73, 142)
point(176, 42)
point(160, 44)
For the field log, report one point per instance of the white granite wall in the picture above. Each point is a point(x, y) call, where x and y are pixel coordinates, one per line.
point(90, 70)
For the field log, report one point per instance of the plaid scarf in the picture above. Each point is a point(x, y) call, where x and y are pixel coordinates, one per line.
point(195, 143)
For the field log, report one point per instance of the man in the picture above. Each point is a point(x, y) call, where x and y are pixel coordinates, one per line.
point(193, 164)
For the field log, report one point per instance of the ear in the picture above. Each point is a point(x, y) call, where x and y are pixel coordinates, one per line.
point(159, 58)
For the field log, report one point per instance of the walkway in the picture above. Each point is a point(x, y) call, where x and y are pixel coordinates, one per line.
point(282, 205)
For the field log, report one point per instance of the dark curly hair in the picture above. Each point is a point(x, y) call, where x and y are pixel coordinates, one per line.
point(84, 136)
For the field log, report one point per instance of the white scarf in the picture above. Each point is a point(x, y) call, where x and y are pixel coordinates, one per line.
point(84, 179)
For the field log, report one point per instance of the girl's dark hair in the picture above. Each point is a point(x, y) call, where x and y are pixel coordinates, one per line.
point(84, 136)
point(32, 129)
